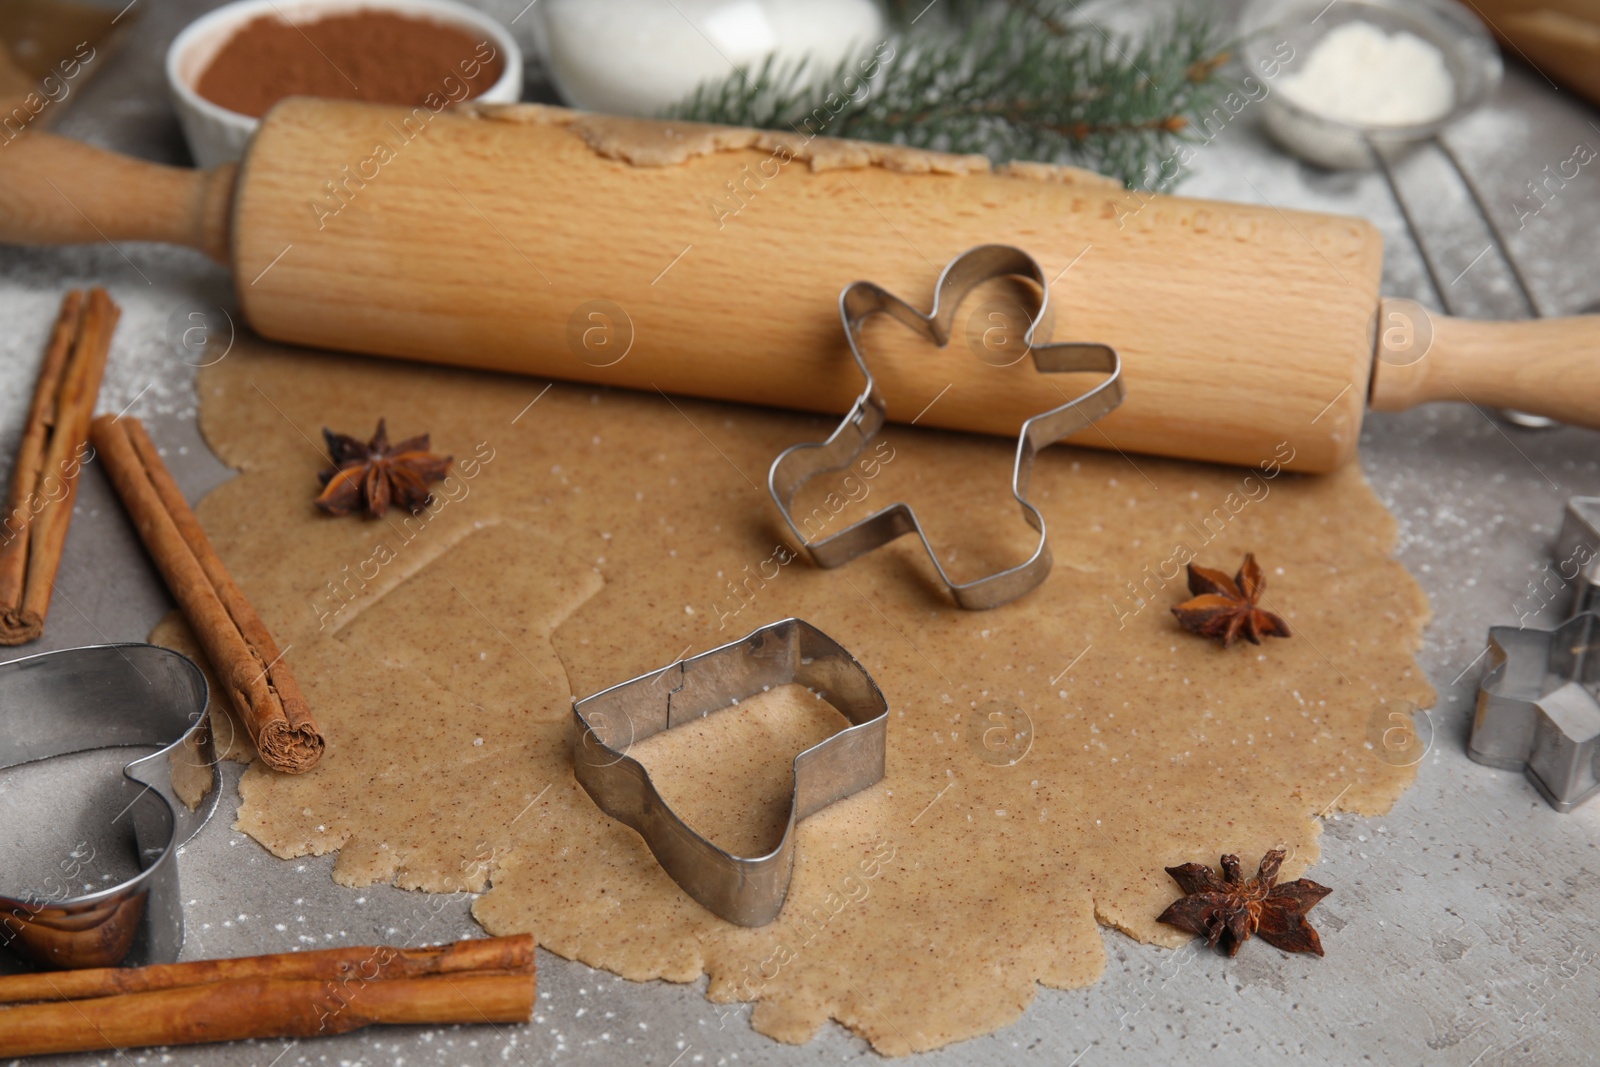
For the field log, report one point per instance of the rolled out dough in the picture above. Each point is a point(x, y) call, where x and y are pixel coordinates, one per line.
point(595, 535)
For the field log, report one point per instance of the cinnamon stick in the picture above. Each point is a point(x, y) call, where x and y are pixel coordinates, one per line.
point(354, 964)
point(243, 654)
point(44, 478)
point(235, 1009)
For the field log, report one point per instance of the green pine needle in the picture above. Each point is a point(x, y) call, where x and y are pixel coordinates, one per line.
point(1017, 79)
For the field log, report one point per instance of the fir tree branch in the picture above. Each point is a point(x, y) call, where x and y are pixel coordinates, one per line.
point(1044, 17)
point(1013, 79)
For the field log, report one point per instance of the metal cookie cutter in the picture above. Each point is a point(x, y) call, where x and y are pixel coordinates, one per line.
point(750, 890)
point(1539, 708)
point(1578, 552)
point(54, 909)
point(860, 301)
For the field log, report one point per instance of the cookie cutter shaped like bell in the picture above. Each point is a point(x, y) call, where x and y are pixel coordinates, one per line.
point(747, 890)
point(1539, 708)
point(81, 699)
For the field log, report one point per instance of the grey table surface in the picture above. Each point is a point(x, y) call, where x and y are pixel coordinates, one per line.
point(1479, 902)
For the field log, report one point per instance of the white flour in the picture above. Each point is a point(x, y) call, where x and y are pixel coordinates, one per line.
point(1361, 75)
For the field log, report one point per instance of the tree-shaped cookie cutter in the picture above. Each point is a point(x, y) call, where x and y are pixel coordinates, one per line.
point(747, 890)
point(1539, 708)
point(859, 302)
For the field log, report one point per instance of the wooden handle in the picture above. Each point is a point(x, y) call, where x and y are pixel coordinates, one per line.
point(58, 191)
point(1547, 367)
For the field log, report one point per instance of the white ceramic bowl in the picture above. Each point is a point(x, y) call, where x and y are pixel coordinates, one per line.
point(217, 135)
point(657, 51)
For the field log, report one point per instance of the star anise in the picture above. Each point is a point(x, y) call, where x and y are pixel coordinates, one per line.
point(377, 474)
point(1228, 910)
point(1226, 607)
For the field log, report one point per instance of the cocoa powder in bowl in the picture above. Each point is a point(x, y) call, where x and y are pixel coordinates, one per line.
point(376, 56)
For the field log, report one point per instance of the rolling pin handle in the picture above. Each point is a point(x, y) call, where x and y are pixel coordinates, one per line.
point(55, 191)
point(1548, 367)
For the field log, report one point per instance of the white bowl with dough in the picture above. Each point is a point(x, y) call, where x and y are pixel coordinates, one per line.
point(217, 135)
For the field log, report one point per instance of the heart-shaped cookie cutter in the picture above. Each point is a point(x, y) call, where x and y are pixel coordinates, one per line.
point(860, 301)
point(109, 696)
point(747, 890)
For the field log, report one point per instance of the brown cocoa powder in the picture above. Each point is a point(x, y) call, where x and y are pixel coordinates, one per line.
point(366, 55)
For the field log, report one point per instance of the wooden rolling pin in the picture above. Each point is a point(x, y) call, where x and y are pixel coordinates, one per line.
point(708, 261)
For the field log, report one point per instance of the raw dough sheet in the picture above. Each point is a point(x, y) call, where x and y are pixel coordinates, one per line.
point(1045, 760)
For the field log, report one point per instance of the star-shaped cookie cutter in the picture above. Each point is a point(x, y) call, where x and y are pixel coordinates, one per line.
point(860, 301)
point(747, 890)
point(1539, 708)
point(1577, 555)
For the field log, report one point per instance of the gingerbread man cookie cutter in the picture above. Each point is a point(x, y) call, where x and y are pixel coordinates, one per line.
point(107, 696)
point(747, 890)
point(859, 302)
point(1539, 708)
